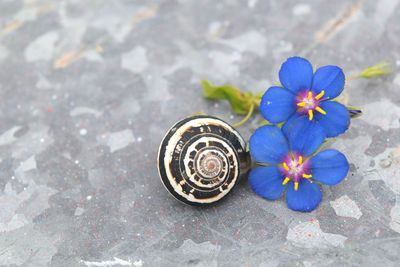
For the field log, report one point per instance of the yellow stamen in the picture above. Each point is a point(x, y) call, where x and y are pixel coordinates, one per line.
point(320, 110)
point(309, 95)
point(307, 176)
point(296, 186)
point(300, 161)
point(301, 104)
point(287, 179)
point(310, 114)
point(321, 94)
point(285, 166)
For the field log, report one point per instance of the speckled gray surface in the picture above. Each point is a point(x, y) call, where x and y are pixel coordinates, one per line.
point(88, 89)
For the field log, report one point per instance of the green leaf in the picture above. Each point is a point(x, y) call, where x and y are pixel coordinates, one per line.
point(240, 102)
point(377, 70)
point(380, 69)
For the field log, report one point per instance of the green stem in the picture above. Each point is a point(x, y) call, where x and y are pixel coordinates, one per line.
point(248, 115)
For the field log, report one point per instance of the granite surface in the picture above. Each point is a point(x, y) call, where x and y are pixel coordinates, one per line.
point(88, 89)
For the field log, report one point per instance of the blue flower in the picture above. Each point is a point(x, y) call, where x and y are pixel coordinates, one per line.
point(307, 94)
point(292, 167)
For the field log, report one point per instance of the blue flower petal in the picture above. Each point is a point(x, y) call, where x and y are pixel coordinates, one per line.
point(267, 182)
point(306, 198)
point(296, 73)
point(304, 136)
point(330, 79)
point(277, 104)
point(336, 120)
point(329, 167)
point(268, 145)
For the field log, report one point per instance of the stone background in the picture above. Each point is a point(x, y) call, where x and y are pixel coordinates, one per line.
point(88, 89)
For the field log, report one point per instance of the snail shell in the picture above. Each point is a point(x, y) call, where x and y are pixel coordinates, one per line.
point(201, 159)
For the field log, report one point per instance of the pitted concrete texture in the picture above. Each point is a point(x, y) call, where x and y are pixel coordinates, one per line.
point(89, 88)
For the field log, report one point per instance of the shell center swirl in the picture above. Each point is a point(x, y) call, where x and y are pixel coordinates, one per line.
point(209, 163)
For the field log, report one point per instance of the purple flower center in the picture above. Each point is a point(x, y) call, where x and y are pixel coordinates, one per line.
point(294, 168)
point(307, 103)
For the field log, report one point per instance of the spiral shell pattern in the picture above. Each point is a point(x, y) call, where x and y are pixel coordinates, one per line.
point(201, 159)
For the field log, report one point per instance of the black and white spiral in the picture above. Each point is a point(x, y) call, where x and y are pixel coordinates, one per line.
point(201, 159)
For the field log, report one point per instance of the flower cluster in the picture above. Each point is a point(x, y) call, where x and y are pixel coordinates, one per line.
point(305, 105)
